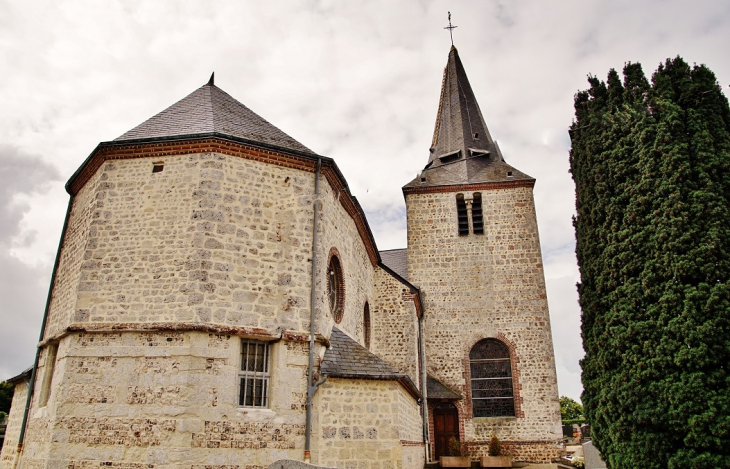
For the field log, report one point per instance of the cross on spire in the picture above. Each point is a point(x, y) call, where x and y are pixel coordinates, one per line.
point(451, 30)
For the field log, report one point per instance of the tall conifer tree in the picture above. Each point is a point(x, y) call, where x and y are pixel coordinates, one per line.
point(651, 164)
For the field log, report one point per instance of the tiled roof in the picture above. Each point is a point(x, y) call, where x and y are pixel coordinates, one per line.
point(396, 260)
point(347, 359)
point(438, 390)
point(462, 150)
point(209, 110)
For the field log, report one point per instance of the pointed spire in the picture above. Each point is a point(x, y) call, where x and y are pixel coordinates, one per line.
point(460, 127)
point(462, 150)
point(212, 79)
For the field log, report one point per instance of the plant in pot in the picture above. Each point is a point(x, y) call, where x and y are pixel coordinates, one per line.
point(495, 458)
point(458, 455)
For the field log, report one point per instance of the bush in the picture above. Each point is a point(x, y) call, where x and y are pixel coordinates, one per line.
point(495, 447)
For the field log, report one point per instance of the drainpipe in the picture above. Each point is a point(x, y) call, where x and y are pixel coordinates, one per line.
point(31, 384)
point(311, 389)
point(424, 377)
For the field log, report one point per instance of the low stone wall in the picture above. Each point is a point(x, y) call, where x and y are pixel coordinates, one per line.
point(531, 451)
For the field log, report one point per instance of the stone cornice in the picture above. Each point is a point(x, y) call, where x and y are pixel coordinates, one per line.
point(239, 331)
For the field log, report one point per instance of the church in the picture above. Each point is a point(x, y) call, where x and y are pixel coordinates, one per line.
point(218, 301)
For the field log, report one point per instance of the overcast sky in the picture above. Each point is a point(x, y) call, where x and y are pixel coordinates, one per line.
point(355, 81)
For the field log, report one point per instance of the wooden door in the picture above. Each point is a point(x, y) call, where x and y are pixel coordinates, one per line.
point(445, 426)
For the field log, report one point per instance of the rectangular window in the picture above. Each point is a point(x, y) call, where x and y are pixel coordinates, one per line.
point(254, 375)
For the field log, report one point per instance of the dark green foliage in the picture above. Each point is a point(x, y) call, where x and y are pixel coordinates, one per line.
point(6, 396)
point(651, 164)
point(570, 411)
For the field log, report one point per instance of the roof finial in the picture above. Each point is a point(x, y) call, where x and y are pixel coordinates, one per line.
point(451, 30)
point(212, 79)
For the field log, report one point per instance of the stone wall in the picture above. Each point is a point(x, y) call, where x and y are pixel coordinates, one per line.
point(165, 399)
point(73, 256)
point(360, 423)
point(337, 230)
point(12, 432)
point(394, 326)
point(481, 286)
point(210, 239)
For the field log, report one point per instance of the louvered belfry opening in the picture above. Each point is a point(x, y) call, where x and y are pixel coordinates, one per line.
point(476, 214)
point(462, 215)
point(491, 380)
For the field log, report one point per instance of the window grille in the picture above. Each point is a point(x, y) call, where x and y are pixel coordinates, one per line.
point(491, 380)
point(477, 219)
point(462, 215)
point(254, 375)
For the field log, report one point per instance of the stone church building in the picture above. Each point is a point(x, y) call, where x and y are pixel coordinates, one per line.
point(196, 250)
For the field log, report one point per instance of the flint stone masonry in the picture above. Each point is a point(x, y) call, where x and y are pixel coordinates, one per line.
point(205, 240)
point(107, 465)
point(394, 325)
point(109, 431)
point(338, 230)
point(250, 435)
point(481, 286)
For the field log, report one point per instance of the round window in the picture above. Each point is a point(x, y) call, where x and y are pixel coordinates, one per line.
point(335, 288)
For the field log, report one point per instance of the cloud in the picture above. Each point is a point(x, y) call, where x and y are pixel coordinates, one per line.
point(22, 177)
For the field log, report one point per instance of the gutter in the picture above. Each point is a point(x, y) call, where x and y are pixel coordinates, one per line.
point(31, 383)
point(312, 388)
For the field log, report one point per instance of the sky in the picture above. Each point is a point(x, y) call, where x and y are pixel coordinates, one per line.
point(355, 81)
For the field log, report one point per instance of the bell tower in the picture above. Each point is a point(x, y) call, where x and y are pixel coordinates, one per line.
point(474, 251)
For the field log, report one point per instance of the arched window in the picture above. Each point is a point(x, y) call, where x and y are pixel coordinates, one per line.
point(366, 325)
point(335, 286)
point(491, 380)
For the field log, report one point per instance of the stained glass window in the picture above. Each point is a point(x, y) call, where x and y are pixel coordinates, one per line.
point(491, 380)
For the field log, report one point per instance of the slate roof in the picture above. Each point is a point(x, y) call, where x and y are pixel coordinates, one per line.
point(347, 359)
point(210, 110)
point(396, 260)
point(462, 150)
point(24, 376)
point(438, 390)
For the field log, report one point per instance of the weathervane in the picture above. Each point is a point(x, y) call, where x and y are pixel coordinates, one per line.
point(451, 30)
